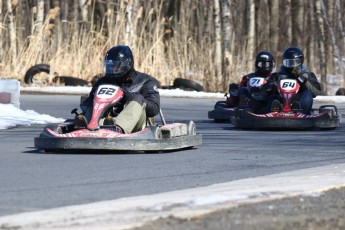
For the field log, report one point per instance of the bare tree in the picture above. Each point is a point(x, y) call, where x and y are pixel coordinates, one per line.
point(250, 49)
point(218, 45)
point(297, 12)
point(274, 26)
point(12, 31)
point(321, 43)
point(342, 35)
point(2, 31)
point(311, 35)
point(40, 17)
point(228, 38)
point(286, 24)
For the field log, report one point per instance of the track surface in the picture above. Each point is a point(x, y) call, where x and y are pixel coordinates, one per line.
point(31, 180)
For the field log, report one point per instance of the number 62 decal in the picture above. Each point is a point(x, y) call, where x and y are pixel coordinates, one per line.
point(106, 91)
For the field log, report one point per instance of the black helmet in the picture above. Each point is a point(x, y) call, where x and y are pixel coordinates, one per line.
point(264, 63)
point(118, 62)
point(293, 57)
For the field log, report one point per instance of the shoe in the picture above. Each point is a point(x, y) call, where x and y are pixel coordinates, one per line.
point(276, 106)
point(80, 122)
point(108, 121)
point(296, 106)
point(232, 101)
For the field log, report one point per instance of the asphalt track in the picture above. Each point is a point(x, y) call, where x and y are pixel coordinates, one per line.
point(35, 181)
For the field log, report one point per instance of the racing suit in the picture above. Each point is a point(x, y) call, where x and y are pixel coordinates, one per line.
point(244, 96)
point(309, 87)
point(141, 100)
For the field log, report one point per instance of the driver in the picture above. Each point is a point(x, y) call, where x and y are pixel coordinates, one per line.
point(264, 65)
point(141, 97)
point(293, 68)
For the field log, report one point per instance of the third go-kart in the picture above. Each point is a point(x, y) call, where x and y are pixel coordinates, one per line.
point(222, 112)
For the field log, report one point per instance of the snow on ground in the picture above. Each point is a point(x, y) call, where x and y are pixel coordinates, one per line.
point(11, 116)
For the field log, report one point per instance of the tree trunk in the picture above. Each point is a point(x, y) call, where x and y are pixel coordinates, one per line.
point(2, 32)
point(12, 32)
point(297, 12)
point(342, 33)
point(322, 55)
point(262, 31)
point(84, 10)
point(326, 17)
point(251, 34)
point(40, 17)
point(129, 23)
point(285, 22)
point(311, 47)
point(227, 39)
point(274, 31)
point(218, 46)
point(208, 71)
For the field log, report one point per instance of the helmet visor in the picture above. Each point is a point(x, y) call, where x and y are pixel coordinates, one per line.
point(116, 67)
point(264, 64)
point(290, 63)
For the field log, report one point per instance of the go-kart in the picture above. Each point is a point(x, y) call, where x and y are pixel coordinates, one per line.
point(325, 117)
point(222, 112)
point(97, 136)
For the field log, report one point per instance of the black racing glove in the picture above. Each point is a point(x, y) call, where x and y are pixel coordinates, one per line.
point(302, 79)
point(296, 71)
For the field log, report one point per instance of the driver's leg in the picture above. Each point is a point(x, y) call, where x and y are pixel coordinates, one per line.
point(133, 116)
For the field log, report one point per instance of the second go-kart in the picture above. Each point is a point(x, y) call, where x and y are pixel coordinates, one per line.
point(222, 112)
point(96, 136)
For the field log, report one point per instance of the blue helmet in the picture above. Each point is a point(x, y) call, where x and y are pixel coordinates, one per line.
point(293, 57)
point(118, 62)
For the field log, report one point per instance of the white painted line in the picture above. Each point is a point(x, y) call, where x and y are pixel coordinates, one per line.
point(134, 211)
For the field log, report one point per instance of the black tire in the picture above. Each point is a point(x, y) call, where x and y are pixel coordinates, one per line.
point(33, 70)
point(187, 84)
point(70, 81)
point(340, 91)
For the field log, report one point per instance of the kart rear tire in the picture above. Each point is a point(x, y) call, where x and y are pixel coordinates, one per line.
point(33, 70)
point(340, 92)
point(187, 84)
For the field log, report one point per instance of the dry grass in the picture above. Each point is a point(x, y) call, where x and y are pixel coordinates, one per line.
point(164, 52)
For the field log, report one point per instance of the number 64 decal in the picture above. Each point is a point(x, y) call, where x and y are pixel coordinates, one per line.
point(288, 84)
